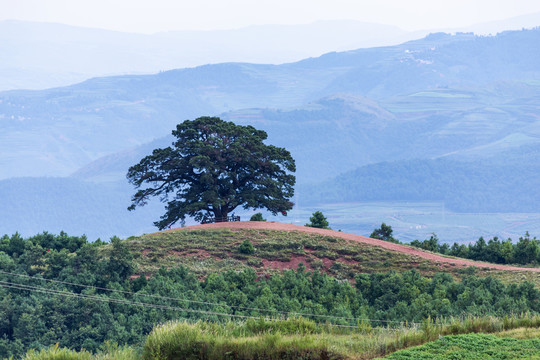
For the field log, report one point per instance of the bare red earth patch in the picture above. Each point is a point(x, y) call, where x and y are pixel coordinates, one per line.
point(286, 265)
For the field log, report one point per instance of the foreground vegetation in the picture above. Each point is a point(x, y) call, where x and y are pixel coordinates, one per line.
point(301, 338)
point(63, 289)
point(473, 346)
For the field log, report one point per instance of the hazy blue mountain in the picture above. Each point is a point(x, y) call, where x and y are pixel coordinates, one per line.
point(34, 205)
point(42, 55)
point(527, 21)
point(496, 185)
point(56, 131)
point(444, 118)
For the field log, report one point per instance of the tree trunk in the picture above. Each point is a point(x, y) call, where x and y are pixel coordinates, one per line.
point(220, 215)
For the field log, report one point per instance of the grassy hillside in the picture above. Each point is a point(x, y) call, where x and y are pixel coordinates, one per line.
point(215, 250)
point(211, 250)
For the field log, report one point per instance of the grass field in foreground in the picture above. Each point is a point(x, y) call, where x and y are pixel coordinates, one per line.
point(472, 347)
point(513, 338)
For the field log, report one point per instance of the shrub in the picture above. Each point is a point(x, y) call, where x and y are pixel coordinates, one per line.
point(318, 220)
point(246, 247)
point(56, 353)
point(257, 217)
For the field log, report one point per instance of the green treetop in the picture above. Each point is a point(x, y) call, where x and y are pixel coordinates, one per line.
point(213, 167)
point(318, 220)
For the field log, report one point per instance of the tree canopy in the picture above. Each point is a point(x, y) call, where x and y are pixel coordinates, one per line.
point(318, 220)
point(213, 167)
point(383, 233)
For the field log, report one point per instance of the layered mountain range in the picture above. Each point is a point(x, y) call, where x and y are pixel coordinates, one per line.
point(446, 117)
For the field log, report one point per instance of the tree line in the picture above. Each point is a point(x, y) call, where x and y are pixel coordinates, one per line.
point(526, 251)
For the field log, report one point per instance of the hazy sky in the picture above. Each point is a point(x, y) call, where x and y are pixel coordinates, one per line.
point(148, 16)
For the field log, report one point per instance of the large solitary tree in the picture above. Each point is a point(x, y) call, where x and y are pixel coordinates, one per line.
point(213, 167)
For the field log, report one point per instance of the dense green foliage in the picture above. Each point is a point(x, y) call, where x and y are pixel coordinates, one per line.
point(318, 220)
point(213, 167)
point(257, 217)
point(472, 346)
point(383, 233)
point(37, 318)
point(525, 251)
point(246, 247)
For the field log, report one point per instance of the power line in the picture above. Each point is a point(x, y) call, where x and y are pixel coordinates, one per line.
point(108, 299)
point(6, 284)
point(204, 302)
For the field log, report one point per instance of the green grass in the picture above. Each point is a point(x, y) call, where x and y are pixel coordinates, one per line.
point(110, 352)
point(215, 250)
point(300, 338)
point(472, 346)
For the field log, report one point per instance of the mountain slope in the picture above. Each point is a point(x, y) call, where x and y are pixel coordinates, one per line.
point(99, 210)
point(43, 55)
point(465, 186)
point(85, 121)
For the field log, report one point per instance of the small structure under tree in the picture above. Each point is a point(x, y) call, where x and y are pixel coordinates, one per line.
point(213, 167)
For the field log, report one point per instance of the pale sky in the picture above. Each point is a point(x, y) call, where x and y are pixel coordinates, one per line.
point(150, 16)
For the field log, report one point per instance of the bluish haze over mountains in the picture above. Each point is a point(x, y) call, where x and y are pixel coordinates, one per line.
point(43, 55)
point(452, 118)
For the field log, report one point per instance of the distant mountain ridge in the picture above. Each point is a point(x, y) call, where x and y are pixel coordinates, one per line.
point(43, 55)
point(456, 74)
point(39, 55)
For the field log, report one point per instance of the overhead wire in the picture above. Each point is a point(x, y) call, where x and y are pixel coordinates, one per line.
point(207, 303)
point(5, 284)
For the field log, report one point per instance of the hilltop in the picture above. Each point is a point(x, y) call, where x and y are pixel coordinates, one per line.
point(278, 246)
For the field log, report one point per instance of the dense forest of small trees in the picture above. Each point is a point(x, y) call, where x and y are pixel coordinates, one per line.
point(526, 251)
point(31, 316)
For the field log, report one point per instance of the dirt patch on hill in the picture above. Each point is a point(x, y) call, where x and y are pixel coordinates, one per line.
point(286, 265)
